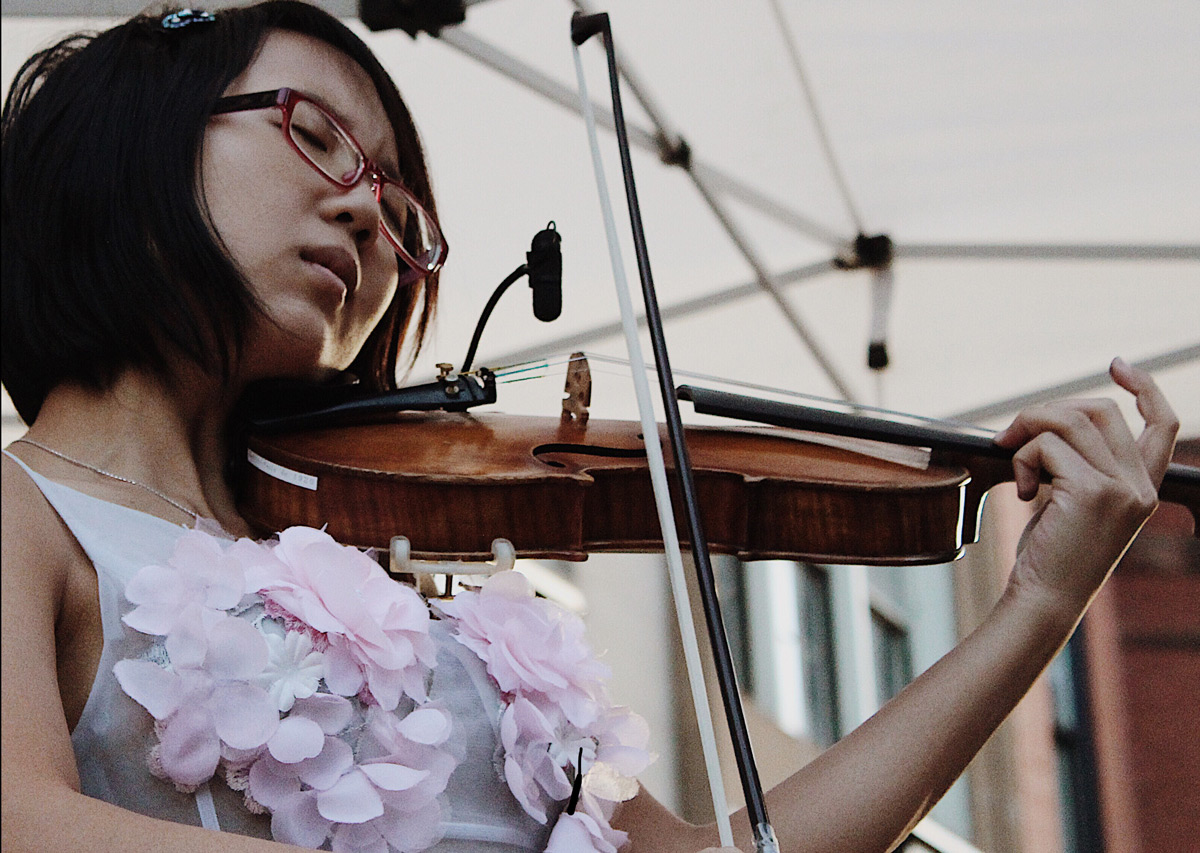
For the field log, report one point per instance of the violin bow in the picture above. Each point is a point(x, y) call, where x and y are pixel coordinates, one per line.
point(584, 27)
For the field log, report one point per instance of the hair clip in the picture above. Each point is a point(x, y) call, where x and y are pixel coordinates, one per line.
point(180, 19)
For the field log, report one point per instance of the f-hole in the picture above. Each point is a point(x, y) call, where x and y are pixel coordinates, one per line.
point(584, 450)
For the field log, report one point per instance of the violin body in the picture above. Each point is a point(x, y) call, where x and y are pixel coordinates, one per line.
point(561, 489)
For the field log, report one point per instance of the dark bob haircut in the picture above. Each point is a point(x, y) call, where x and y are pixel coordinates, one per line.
point(109, 258)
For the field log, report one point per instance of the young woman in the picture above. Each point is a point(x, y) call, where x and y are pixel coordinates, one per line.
point(193, 203)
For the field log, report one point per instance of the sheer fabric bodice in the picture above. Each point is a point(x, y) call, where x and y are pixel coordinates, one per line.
point(114, 734)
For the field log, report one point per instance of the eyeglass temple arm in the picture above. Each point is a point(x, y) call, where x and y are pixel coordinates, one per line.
point(251, 101)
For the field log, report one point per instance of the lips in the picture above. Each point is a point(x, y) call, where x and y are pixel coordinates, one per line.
point(338, 261)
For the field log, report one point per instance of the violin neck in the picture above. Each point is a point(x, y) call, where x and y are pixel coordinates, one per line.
point(981, 454)
point(943, 438)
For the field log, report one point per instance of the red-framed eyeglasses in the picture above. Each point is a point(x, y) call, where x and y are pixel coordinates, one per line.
point(321, 141)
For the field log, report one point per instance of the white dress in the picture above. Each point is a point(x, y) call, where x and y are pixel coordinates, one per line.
point(114, 734)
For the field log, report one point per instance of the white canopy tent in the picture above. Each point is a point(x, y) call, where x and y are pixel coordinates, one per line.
point(959, 130)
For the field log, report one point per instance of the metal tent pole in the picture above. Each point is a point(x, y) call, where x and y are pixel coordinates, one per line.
point(662, 143)
point(679, 310)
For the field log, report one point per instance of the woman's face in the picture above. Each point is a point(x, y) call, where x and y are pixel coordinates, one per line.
point(311, 251)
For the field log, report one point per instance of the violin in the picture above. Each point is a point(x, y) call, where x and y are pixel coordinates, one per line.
point(561, 488)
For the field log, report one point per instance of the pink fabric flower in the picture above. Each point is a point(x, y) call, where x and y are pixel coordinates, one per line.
point(377, 629)
point(536, 756)
point(317, 788)
point(412, 812)
point(203, 571)
point(201, 707)
point(265, 642)
point(581, 833)
point(206, 703)
point(557, 722)
point(621, 740)
point(543, 753)
point(531, 645)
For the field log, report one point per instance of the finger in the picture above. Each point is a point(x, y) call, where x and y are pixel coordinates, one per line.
point(1157, 440)
point(1129, 494)
point(1107, 417)
point(1047, 452)
point(1073, 424)
point(1102, 411)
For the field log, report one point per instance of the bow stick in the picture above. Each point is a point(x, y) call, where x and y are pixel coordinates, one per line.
point(584, 27)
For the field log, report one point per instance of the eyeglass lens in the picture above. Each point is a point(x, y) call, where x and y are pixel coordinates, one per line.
point(328, 148)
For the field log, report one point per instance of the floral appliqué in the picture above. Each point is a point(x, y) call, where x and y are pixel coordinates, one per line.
point(558, 726)
point(298, 671)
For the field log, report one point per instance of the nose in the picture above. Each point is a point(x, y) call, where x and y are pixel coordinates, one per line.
point(357, 208)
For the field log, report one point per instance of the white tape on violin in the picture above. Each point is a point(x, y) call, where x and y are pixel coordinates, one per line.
point(279, 472)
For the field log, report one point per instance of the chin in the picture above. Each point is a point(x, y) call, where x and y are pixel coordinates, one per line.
point(329, 370)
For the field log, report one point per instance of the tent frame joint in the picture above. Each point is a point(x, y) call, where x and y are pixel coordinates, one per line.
point(874, 252)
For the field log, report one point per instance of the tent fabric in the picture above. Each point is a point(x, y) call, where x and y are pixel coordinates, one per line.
point(953, 125)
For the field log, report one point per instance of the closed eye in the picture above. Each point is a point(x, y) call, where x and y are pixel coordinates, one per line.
point(310, 139)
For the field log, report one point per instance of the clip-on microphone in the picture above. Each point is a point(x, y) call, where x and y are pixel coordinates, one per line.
point(543, 264)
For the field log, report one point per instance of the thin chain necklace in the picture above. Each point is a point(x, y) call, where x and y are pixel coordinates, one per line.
point(185, 510)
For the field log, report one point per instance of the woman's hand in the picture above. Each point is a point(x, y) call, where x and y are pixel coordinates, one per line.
point(1103, 485)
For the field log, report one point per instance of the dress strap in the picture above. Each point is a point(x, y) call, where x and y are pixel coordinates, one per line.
point(206, 808)
point(32, 475)
point(118, 540)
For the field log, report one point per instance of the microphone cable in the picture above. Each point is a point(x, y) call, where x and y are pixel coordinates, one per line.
point(543, 264)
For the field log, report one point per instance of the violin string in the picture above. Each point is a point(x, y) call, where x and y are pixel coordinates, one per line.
point(525, 378)
point(908, 456)
point(547, 365)
point(688, 374)
point(524, 366)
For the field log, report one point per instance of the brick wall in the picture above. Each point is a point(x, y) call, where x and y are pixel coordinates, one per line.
point(1152, 616)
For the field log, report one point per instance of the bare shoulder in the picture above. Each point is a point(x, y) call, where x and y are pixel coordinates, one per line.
point(37, 555)
point(38, 552)
point(37, 548)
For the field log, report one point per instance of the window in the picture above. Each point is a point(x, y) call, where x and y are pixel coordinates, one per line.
point(730, 579)
point(890, 642)
point(818, 647)
point(816, 653)
point(791, 648)
point(1078, 798)
point(893, 660)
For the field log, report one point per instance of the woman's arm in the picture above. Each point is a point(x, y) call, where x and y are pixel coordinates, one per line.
point(867, 791)
point(43, 810)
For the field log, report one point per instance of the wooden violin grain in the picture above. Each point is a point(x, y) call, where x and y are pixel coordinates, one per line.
point(453, 482)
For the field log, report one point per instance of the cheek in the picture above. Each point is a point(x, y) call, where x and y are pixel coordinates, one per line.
point(245, 201)
point(222, 196)
point(381, 276)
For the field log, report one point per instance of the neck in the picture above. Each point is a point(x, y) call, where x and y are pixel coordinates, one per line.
point(168, 436)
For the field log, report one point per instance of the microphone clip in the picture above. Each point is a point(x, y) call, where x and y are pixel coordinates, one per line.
point(543, 265)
